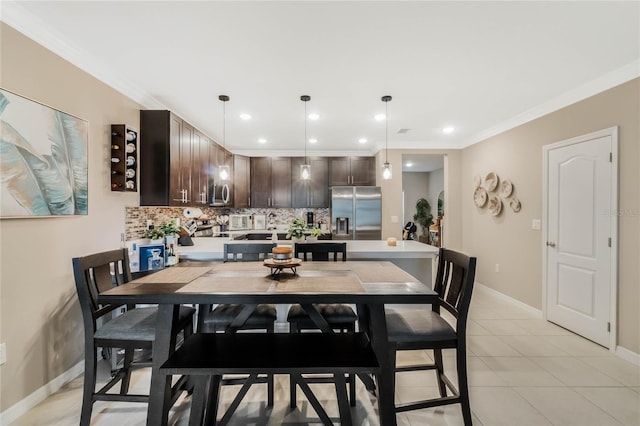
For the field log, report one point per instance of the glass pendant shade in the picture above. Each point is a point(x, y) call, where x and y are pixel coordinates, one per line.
point(305, 172)
point(224, 172)
point(386, 171)
point(305, 169)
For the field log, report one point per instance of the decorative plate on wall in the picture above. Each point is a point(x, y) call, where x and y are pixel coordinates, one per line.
point(506, 188)
point(491, 181)
point(495, 205)
point(480, 197)
point(515, 205)
point(477, 181)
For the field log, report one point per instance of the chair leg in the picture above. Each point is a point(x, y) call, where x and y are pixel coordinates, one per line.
point(437, 356)
point(293, 328)
point(351, 328)
point(90, 356)
point(126, 378)
point(270, 381)
point(463, 386)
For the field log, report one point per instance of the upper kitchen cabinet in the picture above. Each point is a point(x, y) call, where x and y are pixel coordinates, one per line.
point(355, 171)
point(270, 182)
point(313, 193)
point(174, 161)
point(241, 181)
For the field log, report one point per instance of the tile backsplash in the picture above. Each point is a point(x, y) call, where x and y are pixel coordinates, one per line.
point(136, 217)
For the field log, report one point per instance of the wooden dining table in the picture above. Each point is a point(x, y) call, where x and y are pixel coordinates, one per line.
point(369, 285)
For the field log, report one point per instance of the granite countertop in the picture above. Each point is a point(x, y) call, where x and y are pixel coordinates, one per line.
point(211, 248)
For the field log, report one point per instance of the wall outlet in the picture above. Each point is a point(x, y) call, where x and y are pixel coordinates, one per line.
point(497, 267)
point(149, 223)
point(535, 224)
point(3, 353)
point(394, 219)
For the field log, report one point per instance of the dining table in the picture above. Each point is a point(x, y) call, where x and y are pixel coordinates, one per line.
point(369, 285)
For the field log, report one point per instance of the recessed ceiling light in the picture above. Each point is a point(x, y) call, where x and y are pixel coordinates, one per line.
point(313, 140)
point(379, 117)
point(245, 116)
point(262, 140)
point(448, 129)
point(362, 140)
point(313, 116)
point(409, 164)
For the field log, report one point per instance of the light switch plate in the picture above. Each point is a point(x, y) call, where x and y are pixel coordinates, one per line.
point(535, 224)
point(394, 219)
point(3, 353)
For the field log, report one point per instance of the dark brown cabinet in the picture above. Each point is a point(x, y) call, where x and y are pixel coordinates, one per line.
point(241, 181)
point(174, 161)
point(354, 171)
point(271, 182)
point(313, 193)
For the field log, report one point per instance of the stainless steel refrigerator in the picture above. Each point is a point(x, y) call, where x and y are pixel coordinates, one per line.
point(356, 212)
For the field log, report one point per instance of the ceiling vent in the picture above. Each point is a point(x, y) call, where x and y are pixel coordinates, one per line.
point(403, 131)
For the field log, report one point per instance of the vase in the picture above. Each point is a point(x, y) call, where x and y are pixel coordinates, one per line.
point(297, 239)
point(311, 239)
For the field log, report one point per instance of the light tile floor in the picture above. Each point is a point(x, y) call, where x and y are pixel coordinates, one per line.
point(522, 371)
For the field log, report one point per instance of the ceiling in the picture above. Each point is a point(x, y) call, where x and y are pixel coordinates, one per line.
point(480, 67)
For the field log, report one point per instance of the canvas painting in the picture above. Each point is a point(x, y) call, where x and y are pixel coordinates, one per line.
point(43, 160)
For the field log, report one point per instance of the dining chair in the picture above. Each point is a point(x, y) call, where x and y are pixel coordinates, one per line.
point(420, 329)
point(221, 318)
point(130, 329)
point(338, 316)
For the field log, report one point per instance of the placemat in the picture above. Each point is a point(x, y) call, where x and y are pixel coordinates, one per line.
point(175, 275)
point(229, 284)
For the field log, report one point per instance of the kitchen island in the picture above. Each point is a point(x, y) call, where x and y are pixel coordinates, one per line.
point(412, 256)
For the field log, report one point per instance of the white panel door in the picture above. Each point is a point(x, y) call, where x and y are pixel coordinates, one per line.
point(578, 237)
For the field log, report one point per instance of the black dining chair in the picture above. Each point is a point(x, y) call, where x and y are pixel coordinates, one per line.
point(338, 316)
point(418, 329)
point(220, 319)
point(134, 328)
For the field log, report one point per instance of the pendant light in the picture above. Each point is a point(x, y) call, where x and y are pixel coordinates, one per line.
point(386, 167)
point(223, 170)
point(305, 169)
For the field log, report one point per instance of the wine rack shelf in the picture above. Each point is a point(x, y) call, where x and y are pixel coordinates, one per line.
point(124, 158)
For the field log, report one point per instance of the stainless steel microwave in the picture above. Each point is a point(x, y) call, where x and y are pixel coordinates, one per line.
point(238, 222)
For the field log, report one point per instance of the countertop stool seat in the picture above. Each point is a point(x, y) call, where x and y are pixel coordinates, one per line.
point(221, 319)
point(339, 317)
point(419, 329)
point(133, 329)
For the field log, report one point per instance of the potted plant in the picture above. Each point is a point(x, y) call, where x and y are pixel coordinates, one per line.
point(171, 232)
point(155, 234)
point(424, 218)
point(314, 234)
point(296, 230)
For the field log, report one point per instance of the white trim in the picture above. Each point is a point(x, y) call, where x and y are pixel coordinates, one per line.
point(612, 132)
point(628, 355)
point(39, 395)
point(502, 296)
point(600, 84)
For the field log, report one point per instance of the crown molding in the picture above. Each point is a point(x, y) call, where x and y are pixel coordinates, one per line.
point(16, 16)
point(600, 84)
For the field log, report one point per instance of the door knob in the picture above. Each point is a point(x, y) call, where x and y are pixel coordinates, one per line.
point(550, 244)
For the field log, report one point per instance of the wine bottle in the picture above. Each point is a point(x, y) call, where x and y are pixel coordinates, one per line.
point(171, 256)
point(115, 160)
point(131, 136)
point(116, 185)
point(115, 146)
point(115, 134)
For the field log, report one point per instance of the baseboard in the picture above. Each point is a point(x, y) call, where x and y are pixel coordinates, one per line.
point(628, 355)
point(522, 305)
point(21, 407)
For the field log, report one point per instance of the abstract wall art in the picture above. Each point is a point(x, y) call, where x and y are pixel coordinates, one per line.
point(43, 160)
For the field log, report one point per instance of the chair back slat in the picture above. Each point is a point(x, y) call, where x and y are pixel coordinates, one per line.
point(321, 251)
point(97, 273)
point(454, 283)
point(247, 252)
